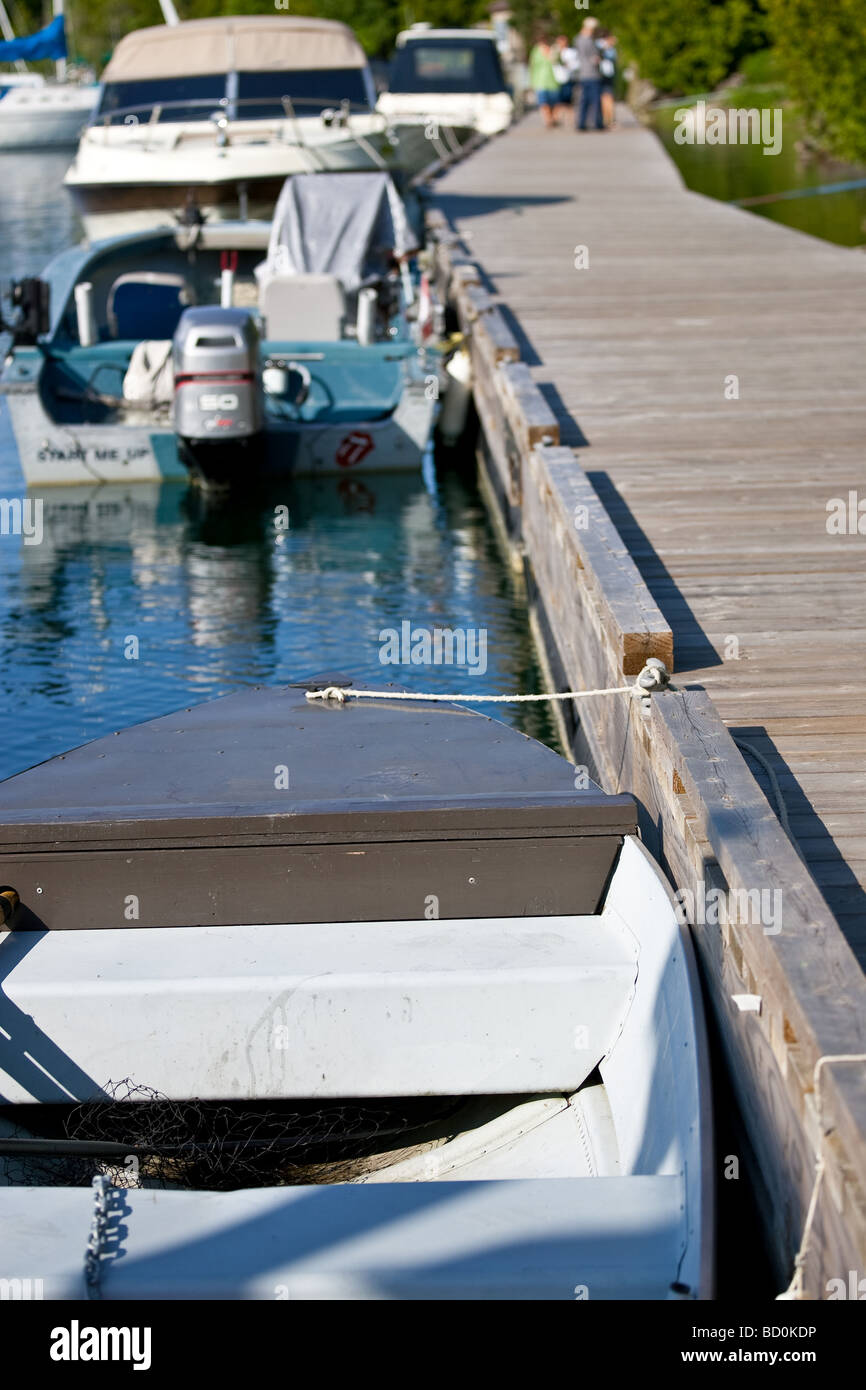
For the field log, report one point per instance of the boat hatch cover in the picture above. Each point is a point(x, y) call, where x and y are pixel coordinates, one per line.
point(262, 807)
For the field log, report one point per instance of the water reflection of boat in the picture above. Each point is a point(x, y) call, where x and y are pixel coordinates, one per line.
point(99, 515)
point(216, 596)
point(233, 565)
point(376, 970)
point(116, 514)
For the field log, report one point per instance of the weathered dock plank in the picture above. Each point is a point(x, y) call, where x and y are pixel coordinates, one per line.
point(704, 372)
point(723, 503)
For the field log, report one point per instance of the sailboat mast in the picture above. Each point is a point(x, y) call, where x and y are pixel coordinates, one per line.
point(9, 33)
point(60, 63)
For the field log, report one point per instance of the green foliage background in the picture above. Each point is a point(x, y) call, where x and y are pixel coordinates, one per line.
point(96, 25)
point(820, 51)
point(818, 46)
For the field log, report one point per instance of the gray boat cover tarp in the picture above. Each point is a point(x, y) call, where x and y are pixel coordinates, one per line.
point(337, 224)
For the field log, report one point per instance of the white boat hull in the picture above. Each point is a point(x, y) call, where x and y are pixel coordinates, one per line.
point(53, 455)
point(420, 142)
point(485, 114)
point(565, 1239)
point(127, 177)
point(576, 1189)
point(44, 117)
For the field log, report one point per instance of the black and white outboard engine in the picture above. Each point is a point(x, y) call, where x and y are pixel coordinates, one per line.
point(218, 406)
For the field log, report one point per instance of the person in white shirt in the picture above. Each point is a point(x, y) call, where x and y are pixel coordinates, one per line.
point(565, 70)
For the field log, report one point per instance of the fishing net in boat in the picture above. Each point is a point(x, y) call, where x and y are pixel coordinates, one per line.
point(140, 1138)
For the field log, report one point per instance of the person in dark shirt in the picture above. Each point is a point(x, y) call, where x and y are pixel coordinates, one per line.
point(589, 107)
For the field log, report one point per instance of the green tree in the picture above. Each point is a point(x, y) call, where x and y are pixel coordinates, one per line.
point(821, 51)
point(563, 16)
point(679, 45)
point(95, 26)
point(688, 45)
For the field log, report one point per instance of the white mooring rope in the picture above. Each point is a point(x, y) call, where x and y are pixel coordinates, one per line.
point(796, 1290)
point(653, 677)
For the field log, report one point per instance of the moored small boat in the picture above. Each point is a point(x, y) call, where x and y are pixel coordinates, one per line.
point(223, 110)
point(231, 349)
point(36, 112)
point(353, 1000)
point(445, 86)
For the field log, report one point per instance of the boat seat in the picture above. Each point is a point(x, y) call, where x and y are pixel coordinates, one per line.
point(427, 1013)
point(147, 304)
point(304, 308)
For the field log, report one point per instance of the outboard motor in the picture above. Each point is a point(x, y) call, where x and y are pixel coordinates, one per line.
point(218, 404)
point(32, 299)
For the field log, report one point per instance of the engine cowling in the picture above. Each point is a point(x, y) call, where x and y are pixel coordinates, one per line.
point(218, 408)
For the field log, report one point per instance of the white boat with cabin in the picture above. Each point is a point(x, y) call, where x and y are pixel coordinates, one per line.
point(35, 111)
point(220, 112)
point(446, 86)
point(38, 114)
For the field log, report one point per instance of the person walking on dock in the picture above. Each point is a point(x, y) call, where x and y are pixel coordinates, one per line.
point(607, 75)
point(565, 71)
point(589, 57)
point(542, 79)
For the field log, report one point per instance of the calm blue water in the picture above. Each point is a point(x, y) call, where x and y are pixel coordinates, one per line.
point(221, 599)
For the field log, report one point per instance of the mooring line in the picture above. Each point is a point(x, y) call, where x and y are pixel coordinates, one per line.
point(342, 693)
point(796, 1290)
point(816, 191)
point(653, 677)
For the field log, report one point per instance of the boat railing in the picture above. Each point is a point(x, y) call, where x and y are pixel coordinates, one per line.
point(150, 113)
point(223, 112)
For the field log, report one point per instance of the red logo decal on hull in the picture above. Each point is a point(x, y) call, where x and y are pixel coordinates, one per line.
point(354, 448)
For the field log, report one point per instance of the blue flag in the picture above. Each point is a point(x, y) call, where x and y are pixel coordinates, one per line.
point(48, 43)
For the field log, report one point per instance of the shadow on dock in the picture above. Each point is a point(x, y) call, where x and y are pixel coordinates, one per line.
point(456, 206)
point(693, 649)
point(827, 864)
point(570, 433)
point(515, 327)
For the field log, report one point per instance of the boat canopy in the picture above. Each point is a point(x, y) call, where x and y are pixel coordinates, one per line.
point(246, 43)
point(345, 225)
point(435, 62)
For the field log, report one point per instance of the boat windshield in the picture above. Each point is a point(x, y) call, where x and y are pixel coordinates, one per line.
point(259, 95)
point(118, 99)
point(262, 92)
point(447, 65)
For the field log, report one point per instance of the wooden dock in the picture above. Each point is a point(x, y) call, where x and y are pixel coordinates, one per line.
point(687, 378)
